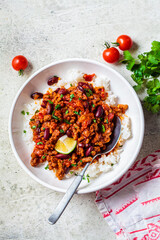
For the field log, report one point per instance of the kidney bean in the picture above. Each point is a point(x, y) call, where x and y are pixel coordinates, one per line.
point(49, 108)
point(44, 104)
point(37, 95)
point(63, 91)
point(111, 116)
point(46, 134)
point(86, 104)
point(38, 130)
point(62, 156)
point(69, 133)
point(81, 89)
point(83, 84)
point(87, 145)
point(81, 145)
point(89, 150)
point(57, 90)
point(52, 80)
point(99, 111)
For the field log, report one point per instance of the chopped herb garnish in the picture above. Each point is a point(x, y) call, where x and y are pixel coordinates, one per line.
point(33, 127)
point(103, 128)
point(101, 118)
point(43, 128)
point(90, 92)
point(70, 159)
point(120, 145)
point(43, 157)
point(71, 97)
point(61, 96)
point(94, 120)
point(24, 131)
point(71, 172)
point(55, 117)
point(106, 120)
point(23, 112)
point(66, 121)
point(112, 164)
point(74, 165)
point(80, 160)
point(50, 101)
point(93, 105)
point(76, 112)
point(71, 84)
point(47, 167)
point(61, 131)
point(57, 106)
point(27, 113)
point(76, 174)
point(84, 178)
point(79, 98)
point(75, 127)
point(88, 178)
point(36, 111)
point(40, 143)
point(66, 111)
point(31, 119)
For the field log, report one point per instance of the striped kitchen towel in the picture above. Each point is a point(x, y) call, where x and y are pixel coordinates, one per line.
point(131, 205)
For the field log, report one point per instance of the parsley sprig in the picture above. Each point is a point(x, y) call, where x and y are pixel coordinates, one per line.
point(146, 70)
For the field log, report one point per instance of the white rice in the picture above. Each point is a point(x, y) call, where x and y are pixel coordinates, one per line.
point(104, 164)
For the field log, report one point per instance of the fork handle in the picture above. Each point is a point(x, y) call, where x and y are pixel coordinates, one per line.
point(67, 197)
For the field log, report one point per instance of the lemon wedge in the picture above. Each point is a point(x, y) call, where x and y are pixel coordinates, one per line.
point(65, 145)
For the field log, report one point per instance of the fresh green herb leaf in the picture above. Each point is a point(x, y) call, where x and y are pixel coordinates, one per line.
point(71, 84)
point(23, 112)
point(71, 172)
point(106, 120)
point(79, 98)
point(50, 101)
point(27, 113)
point(94, 120)
point(93, 105)
point(112, 164)
point(43, 128)
point(33, 127)
point(24, 131)
point(145, 72)
point(70, 159)
point(76, 174)
point(61, 96)
point(40, 143)
point(31, 119)
point(81, 161)
point(61, 131)
point(43, 157)
point(36, 111)
point(84, 178)
point(47, 167)
point(57, 106)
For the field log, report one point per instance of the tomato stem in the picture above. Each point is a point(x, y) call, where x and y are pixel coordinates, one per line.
point(20, 72)
point(107, 45)
point(115, 43)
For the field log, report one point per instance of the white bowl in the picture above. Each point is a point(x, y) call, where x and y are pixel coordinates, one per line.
point(119, 86)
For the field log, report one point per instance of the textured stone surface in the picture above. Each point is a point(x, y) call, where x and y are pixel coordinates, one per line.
point(46, 31)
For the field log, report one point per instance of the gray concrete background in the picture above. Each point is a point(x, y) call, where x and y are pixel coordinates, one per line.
point(46, 31)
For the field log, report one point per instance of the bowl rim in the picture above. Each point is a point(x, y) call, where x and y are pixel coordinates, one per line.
point(142, 123)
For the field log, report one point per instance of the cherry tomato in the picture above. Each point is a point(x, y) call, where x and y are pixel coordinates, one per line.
point(125, 42)
point(19, 63)
point(111, 55)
